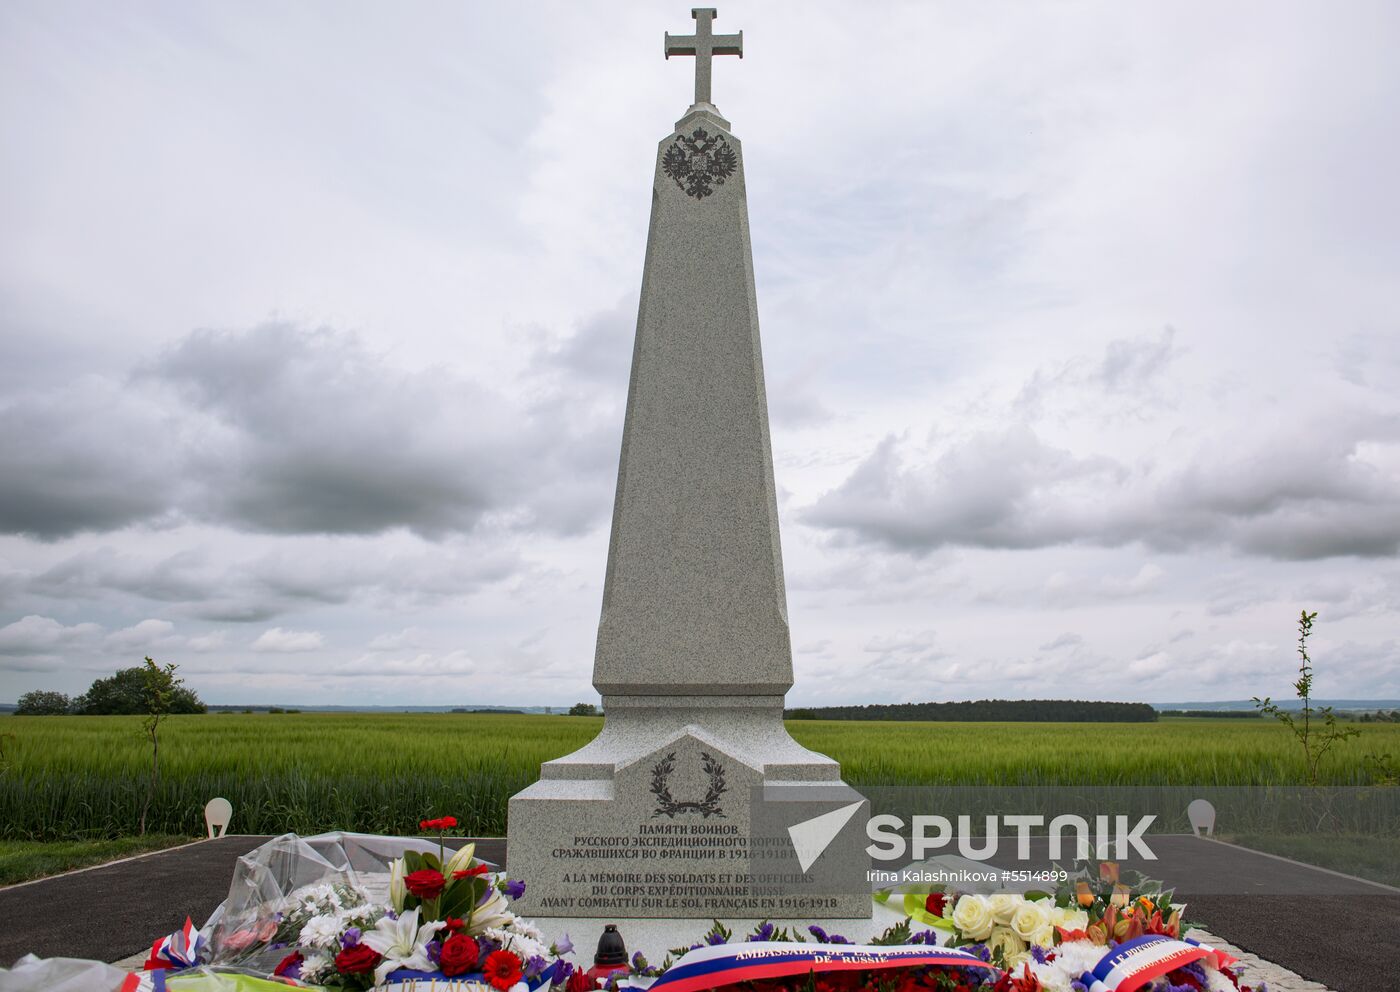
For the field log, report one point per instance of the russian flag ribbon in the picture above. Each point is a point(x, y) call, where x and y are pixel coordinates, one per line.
point(178, 950)
point(1136, 962)
point(727, 964)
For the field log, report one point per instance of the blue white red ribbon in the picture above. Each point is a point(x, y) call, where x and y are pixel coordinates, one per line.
point(179, 950)
point(1133, 963)
point(727, 964)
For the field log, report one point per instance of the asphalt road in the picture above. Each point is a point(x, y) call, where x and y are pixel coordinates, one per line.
point(1349, 942)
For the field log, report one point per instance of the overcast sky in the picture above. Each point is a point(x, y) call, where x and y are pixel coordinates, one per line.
point(1080, 324)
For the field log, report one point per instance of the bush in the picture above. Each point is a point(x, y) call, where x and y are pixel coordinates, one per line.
point(43, 703)
point(125, 693)
point(583, 709)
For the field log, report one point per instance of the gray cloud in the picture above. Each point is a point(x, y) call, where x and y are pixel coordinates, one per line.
point(285, 430)
point(1302, 494)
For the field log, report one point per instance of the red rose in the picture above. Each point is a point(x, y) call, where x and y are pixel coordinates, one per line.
point(357, 960)
point(502, 969)
point(474, 870)
point(459, 953)
point(933, 905)
point(289, 963)
point(425, 883)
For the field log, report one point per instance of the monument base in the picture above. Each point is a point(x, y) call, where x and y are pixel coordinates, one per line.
point(655, 938)
point(685, 808)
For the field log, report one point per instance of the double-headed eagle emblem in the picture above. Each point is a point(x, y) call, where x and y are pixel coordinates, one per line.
point(699, 162)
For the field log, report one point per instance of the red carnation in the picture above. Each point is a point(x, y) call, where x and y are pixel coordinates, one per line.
point(441, 823)
point(425, 883)
point(357, 960)
point(459, 953)
point(474, 870)
point(454, 924)
point(933, 905)
point(291, 963)
point(502, 969)
point(580, 982)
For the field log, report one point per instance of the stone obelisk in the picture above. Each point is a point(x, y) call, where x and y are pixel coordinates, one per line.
point(693, 654)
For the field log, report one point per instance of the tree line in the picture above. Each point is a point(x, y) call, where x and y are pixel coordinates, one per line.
point(125, 693)
point(1010, 710)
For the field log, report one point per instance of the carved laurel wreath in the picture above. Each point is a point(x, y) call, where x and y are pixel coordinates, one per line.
point(699, 162)
point(668, 807)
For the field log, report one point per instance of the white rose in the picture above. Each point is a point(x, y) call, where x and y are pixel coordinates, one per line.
point(973, 917)
point(1006, 946)
point(1028, 918)
point(1004, 906)
point(1069, 918)
point(1044, 937)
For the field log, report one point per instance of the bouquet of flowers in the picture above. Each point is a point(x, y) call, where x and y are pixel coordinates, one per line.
point(1067, 941)
point(433, 914)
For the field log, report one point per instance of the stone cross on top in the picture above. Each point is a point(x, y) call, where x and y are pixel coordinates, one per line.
point(704, 44)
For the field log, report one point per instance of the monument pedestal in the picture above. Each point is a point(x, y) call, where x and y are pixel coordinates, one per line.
point(686, 811)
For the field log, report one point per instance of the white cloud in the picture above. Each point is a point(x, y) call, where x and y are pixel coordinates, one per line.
point(279, 641)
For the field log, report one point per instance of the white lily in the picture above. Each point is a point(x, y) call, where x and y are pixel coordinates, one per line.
point(402, 942)
point(460, 861)
point(398, 891)
point(491, 913)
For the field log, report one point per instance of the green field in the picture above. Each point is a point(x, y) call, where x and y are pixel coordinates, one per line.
point(84, 777)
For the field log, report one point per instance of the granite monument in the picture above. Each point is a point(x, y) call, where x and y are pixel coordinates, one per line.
point(661, 814)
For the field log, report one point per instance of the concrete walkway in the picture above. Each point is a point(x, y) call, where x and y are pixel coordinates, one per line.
point(1349, 943)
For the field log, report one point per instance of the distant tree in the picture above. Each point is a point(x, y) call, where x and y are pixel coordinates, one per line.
point(124, 693)
point(43, 703)
point(583, 709)
point(801, 714)
point(159, 686)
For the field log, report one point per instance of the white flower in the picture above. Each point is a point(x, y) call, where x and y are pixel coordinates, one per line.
point(1217, 982)
point(460, 861)
point(491, 913)
point(1029, 918)
point(1004, 906)
point(973, 916)
point(1012, 947)
point(316, 967)
point(511, 939)
point(398, 891)
point(402, 942)
point(1069, 918)
point(320, 931)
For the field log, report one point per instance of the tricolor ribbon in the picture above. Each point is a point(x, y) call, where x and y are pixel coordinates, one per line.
point(1136, 962)
point(728, 964)
point(179, 950)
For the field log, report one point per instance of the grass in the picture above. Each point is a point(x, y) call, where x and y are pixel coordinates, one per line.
point(83, 778)
point(1363, 855)
point(24, 860)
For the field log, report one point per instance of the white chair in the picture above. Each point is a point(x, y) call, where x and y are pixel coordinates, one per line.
point(217, 813)
point(1202, 816)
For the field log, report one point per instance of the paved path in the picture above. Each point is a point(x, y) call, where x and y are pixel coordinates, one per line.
point(1349, 943)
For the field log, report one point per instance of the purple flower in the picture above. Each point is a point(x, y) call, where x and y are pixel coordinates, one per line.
point(350, 937)
point(514, 888)
point(563, 946)
point(714, 938)
point(534, 966)
point(392, 915)
point(980, 950)
point(1078, 986)
point(764, 932)
point(562, 970)
point(277, 945)
point(1038, 953)
point(484, 946)
point(639, 963)
point(819, 933)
